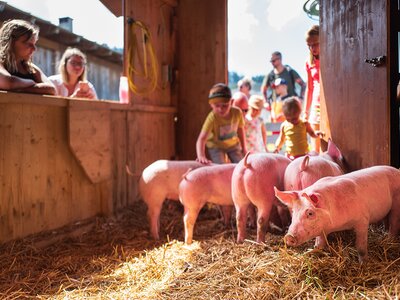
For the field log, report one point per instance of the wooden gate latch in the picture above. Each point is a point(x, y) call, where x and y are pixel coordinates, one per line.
point(376, 61)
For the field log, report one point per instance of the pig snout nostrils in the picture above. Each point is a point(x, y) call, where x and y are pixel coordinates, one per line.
point(290, 240)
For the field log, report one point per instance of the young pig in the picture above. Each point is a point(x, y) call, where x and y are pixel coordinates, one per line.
point(211, 184)
point(160, 181)
point(253, 181)
point(304, 171)
point(349, 201)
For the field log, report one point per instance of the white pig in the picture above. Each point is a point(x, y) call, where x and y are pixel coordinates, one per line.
point(211, 184)
point(305, 170)
point(253, 181)
point(349, 201)
point(160, 181)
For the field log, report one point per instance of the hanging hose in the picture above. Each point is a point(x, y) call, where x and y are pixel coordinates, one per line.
point(147, 68)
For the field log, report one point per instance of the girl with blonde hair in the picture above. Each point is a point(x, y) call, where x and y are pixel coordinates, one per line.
point(71, 80)
point(312, 111)
point(17, 72)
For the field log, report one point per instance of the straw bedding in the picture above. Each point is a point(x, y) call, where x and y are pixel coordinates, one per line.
point(115, 259)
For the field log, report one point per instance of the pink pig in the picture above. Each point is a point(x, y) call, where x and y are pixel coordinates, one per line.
point(160, 181)
point(253, 181)
point(211, 184)
point(305, 170)
point(350, 201)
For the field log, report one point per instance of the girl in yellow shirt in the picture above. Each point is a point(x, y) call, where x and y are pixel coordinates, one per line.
point(294, 130)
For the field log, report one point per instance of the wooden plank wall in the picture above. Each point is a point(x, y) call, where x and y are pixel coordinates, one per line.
point(202, 50)
point(42, 186)
point(46, 184)
point(355, 109)
point(157, 16)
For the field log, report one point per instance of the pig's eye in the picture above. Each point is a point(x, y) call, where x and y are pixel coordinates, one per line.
point(310, 213)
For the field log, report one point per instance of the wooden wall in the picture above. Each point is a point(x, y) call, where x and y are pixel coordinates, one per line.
point(42, 185)
point(355, 108)
point(202, 51)
point(48, 178)
point(44, 182)
point(158, 18)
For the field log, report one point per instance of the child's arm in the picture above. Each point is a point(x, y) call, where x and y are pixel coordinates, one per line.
point(264, 136)
point(280, 140)
point(201, 148)
point(308, 94)
point(242, 139)
point(312, 133)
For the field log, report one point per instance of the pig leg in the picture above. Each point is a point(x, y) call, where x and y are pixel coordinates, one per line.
point(262, 223)
point(153, 214)
point(226, 214)
point(252, 216)
point(320, 242)
point(284, 216)
point(241, 217)
point(394, 217)
point(189, 219)
point(361, 230)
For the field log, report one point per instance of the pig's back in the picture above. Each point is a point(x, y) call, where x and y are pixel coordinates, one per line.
point(368, 190)
point(168, 169)
point(213, 181)
point(163, 177)
point(262, 172)
point(297, 176)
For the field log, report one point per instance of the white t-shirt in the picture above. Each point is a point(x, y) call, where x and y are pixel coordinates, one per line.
point(62, 89)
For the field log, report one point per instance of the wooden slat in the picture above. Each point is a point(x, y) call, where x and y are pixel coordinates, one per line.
point(90, 139)
point(355, 103)
point(202, 58)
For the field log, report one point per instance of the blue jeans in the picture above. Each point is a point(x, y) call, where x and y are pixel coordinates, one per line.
point(218, 155)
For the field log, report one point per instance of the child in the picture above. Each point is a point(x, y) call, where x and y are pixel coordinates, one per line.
point(256, 134)
point(281, 90)
point(312, 111)
point(294, 130)
point(240, 101)
point(17, 72)
point(223, 130)
point(244, 86)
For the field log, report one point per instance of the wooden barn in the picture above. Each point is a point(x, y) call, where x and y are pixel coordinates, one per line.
point(63, 164)
point(63, 160)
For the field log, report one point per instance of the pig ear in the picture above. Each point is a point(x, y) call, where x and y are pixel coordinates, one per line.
point(304, 163)
point(286, 198)
point(312, 198)
point(333, 151)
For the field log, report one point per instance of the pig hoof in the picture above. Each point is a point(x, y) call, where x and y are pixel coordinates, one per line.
point(362, 259)
point(240, 240)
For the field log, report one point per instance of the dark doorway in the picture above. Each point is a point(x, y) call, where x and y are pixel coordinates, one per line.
point(394, 68)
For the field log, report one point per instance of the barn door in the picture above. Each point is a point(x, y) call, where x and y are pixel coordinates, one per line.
point(355, 78)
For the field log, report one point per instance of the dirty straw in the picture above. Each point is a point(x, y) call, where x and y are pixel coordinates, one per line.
point(114, 259)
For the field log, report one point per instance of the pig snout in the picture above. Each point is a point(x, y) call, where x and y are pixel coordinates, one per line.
point(290, 240)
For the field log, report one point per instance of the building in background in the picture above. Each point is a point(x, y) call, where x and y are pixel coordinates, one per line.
point(104, 64)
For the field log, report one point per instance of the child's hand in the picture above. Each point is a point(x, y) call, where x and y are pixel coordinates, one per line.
point(276, 150)
point(203, 160)
point(320, 133)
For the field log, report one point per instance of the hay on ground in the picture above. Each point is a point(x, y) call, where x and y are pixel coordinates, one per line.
point(115, 259)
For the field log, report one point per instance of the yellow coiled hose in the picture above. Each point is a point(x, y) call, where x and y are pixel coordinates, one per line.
point(146, 71)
